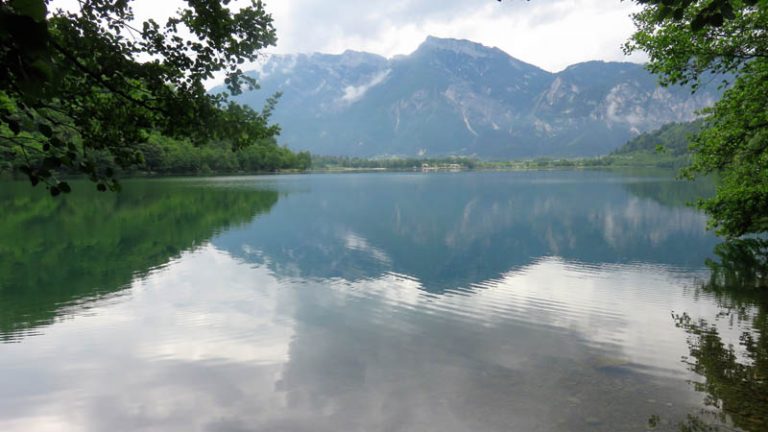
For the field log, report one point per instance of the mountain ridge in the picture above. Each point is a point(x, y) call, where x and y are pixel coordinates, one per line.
point(458, 97)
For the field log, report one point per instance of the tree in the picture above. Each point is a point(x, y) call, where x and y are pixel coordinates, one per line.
point(78, 88)
point(697, 41)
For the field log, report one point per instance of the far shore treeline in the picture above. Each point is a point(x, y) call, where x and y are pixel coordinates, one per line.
point(666, 147)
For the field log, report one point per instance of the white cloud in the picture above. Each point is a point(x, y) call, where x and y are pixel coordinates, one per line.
point(551, 34)
point(353, 93)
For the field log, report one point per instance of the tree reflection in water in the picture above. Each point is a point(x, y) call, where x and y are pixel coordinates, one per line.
point(58, 256)
point(734, 376)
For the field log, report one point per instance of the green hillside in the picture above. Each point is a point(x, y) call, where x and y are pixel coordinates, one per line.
point(671, 139)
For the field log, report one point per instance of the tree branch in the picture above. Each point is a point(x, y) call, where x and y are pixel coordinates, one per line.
point(79, 65)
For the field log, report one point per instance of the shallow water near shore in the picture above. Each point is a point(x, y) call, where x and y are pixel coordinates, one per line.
point(471, 301)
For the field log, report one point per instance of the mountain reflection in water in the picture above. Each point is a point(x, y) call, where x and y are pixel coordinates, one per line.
point(452, 230)
point(450, 302)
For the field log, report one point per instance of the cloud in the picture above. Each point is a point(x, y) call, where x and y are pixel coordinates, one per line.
point(549, 34)
point(353, 93)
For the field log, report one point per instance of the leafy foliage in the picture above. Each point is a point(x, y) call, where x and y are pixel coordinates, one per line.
point(687, 41)
point(168, 156)
point(164, 155)
point(712, 13)
point(78, 89)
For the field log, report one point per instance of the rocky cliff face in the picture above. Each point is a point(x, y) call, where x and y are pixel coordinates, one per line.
point(456, 97)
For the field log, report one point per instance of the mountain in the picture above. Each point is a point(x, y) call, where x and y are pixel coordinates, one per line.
point(456, 97)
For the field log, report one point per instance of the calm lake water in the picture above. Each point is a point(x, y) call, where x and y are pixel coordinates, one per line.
point(525, 301)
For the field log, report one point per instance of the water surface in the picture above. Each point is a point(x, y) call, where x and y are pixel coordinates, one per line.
point(534, 301)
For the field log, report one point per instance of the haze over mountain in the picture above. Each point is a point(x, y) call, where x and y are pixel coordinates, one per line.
point(456, 97)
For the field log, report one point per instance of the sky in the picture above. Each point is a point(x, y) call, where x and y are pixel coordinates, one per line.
point(551, 34)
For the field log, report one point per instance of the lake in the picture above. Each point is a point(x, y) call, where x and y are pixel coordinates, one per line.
point(471, 301)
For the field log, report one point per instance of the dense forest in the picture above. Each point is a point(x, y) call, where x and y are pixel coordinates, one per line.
point(168, 156)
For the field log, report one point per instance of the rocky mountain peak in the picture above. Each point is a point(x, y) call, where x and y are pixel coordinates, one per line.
point(459, 46)
point(458, 97)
